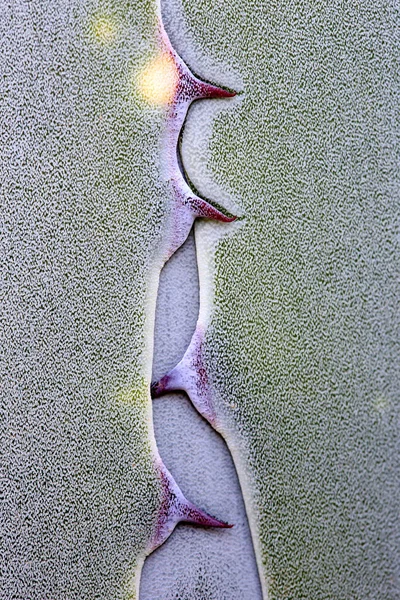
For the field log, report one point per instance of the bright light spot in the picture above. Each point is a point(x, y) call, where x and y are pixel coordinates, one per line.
point(104, 29)
point(158, 81)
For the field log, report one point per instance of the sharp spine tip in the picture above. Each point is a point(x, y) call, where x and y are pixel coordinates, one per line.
point(206, 90)
point(204, 209)
point(160, 387)
point(171, 382)
point(229, 219)
point(196, 516)
point(176, 508)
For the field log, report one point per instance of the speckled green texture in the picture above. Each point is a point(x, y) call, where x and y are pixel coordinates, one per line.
point(302, 345)
point(82, 208)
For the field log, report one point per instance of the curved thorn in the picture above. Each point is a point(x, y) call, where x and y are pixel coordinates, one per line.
point(166, 384)
point(202, 208)
point(190, 376)
point(207, 90)
point(191, 514)
point(189, 84)
point(191, 87)
point(175, 508)
point(186, 210)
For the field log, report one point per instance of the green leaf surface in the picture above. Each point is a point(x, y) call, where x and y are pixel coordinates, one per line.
point(82, 207)
point(300, 299)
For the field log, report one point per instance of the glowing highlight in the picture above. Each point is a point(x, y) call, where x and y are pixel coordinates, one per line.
point(158, 82)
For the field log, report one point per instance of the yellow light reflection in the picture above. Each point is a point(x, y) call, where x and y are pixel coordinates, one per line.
point(104, 29)
point(158, 81)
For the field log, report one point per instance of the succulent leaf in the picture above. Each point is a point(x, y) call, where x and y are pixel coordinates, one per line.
point(301, 347)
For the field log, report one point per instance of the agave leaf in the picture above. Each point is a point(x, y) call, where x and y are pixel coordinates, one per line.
point(298, 302)
point(86, 213)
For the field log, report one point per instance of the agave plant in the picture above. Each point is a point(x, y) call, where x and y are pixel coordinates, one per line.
point(294, 358)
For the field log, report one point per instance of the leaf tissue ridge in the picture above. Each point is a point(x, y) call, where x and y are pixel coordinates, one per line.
point(184, 88)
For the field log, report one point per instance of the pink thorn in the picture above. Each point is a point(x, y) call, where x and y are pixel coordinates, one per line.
point(188, 83)
point(176, 508)
point(203, 209)
point(191, 88)
point(190, 376)
point(192, 514)
point(206, 90)
point(158, 388)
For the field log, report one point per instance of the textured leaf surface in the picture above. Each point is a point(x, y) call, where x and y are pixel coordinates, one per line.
point(82, 206)
point(299, 301)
